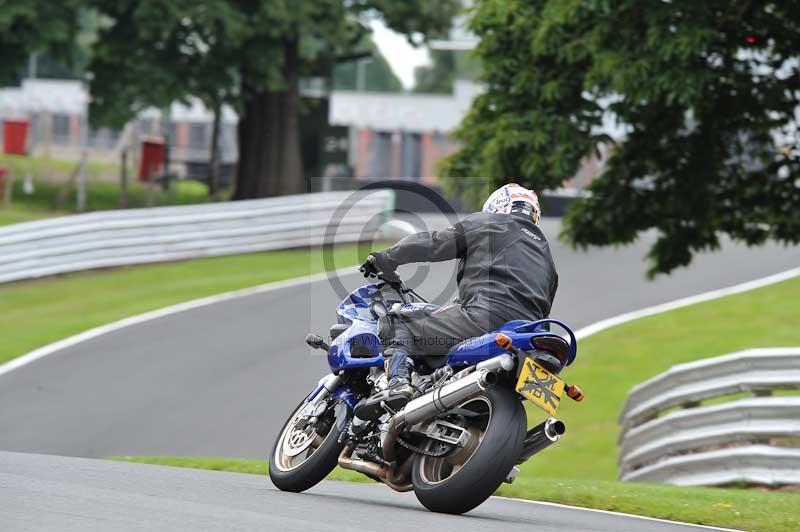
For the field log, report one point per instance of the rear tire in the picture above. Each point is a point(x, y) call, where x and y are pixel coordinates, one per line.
point(307, 468)
point(454, 489)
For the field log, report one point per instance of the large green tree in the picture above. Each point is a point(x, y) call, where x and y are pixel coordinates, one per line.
point(377, 74)
point(446, 67)
point(706, 93)
point(254, 52)
point(35, 26)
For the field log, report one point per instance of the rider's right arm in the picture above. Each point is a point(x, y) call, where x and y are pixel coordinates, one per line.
point(434, 246)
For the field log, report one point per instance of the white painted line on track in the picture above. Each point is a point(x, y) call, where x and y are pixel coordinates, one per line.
point(197, 303)
point(685, 302)
point(582, 333)
point(609, 512)
point(70, 341)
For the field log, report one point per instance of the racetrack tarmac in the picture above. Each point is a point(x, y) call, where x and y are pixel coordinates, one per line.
point(220, 380)
point(39, 492)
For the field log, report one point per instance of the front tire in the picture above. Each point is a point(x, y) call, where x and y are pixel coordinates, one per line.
point(301, 458)
point(459, 482)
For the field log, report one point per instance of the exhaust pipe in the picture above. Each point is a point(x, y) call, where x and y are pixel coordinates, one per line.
point(444, 398)
point(541, 437)
point(398, 481)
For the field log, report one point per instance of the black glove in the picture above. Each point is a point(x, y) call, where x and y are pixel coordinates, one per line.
point(374, 267)
point(369, 268)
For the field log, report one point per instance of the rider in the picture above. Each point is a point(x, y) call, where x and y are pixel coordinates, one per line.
point(505, 273)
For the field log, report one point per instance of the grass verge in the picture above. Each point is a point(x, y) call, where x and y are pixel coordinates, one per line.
point(49, 176)
point(15, 215)
point(611, 362)
point(39, 312)
point(733, 508)
point(581, 469)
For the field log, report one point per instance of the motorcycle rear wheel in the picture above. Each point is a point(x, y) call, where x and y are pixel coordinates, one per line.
point(301, 458)
point(459, 482)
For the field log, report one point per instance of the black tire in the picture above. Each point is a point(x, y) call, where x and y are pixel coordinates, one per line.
point(487, 467)
point(316, 466)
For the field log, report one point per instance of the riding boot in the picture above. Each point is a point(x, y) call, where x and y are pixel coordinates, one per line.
point(398, 393)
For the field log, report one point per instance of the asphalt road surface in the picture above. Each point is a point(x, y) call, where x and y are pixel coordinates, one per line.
point(39, 492)
point(220, 380)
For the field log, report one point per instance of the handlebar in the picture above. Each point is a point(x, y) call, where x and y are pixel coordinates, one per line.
point(400, 287)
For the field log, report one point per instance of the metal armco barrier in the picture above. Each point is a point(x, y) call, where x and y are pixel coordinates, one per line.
point(751, 440)
point(137, 236)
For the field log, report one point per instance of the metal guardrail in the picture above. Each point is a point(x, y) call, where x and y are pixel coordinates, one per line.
point(742, 440)
point(138, 236)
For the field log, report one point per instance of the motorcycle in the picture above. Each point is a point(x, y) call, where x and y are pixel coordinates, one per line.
point(463, 433)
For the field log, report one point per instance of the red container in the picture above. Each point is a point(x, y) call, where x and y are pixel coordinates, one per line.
point(15, 136)
point(152, 161)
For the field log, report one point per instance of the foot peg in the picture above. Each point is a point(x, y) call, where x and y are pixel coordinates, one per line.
point(388, 401)
point(316, 341)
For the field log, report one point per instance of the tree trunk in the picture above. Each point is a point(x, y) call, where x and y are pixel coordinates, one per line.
point(269, 136)
point(213, 159)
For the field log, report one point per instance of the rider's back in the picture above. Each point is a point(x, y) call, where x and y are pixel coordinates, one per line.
point(505, 268)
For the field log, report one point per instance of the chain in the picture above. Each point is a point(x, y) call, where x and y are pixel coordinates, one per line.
point(414, 448)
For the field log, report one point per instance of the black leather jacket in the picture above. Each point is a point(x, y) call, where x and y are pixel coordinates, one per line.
point(505, 271)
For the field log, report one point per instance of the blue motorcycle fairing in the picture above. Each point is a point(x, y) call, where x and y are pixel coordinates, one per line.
point(474, 350)
point(354, 310)
point(340, 354)
point(355, 307)
point(343, 392)
point(346, 394)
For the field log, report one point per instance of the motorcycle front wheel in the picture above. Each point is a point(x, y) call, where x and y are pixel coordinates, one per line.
point(460, 481)
point(303, 455)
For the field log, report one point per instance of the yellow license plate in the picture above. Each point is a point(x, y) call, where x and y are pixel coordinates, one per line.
point(540, 386)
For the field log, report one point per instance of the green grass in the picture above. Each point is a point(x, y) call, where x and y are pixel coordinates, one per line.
point(581, 469)
point(15, 215)
point(611, 362)
point(35, 313)
point(102, 192)
point(735, 508)
point(55, 169)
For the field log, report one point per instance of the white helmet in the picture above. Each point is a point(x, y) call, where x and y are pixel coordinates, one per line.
point(514, 198)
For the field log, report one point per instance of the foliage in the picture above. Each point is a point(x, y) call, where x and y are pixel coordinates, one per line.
point(705, 91)
point(250, 53)
point(446, 67)
point(378, 75)
point(28, 26)
point(151, 53)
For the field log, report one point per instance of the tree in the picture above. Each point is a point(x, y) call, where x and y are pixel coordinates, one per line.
point(309, 38)
point(706, 92)
point(446, 67)
point(251, 52)
point(151, 53)
point(378, 75)
point(32, 26)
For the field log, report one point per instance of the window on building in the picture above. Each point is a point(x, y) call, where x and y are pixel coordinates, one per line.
point(412, 156)
point(198, 136)
point(61, 129)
